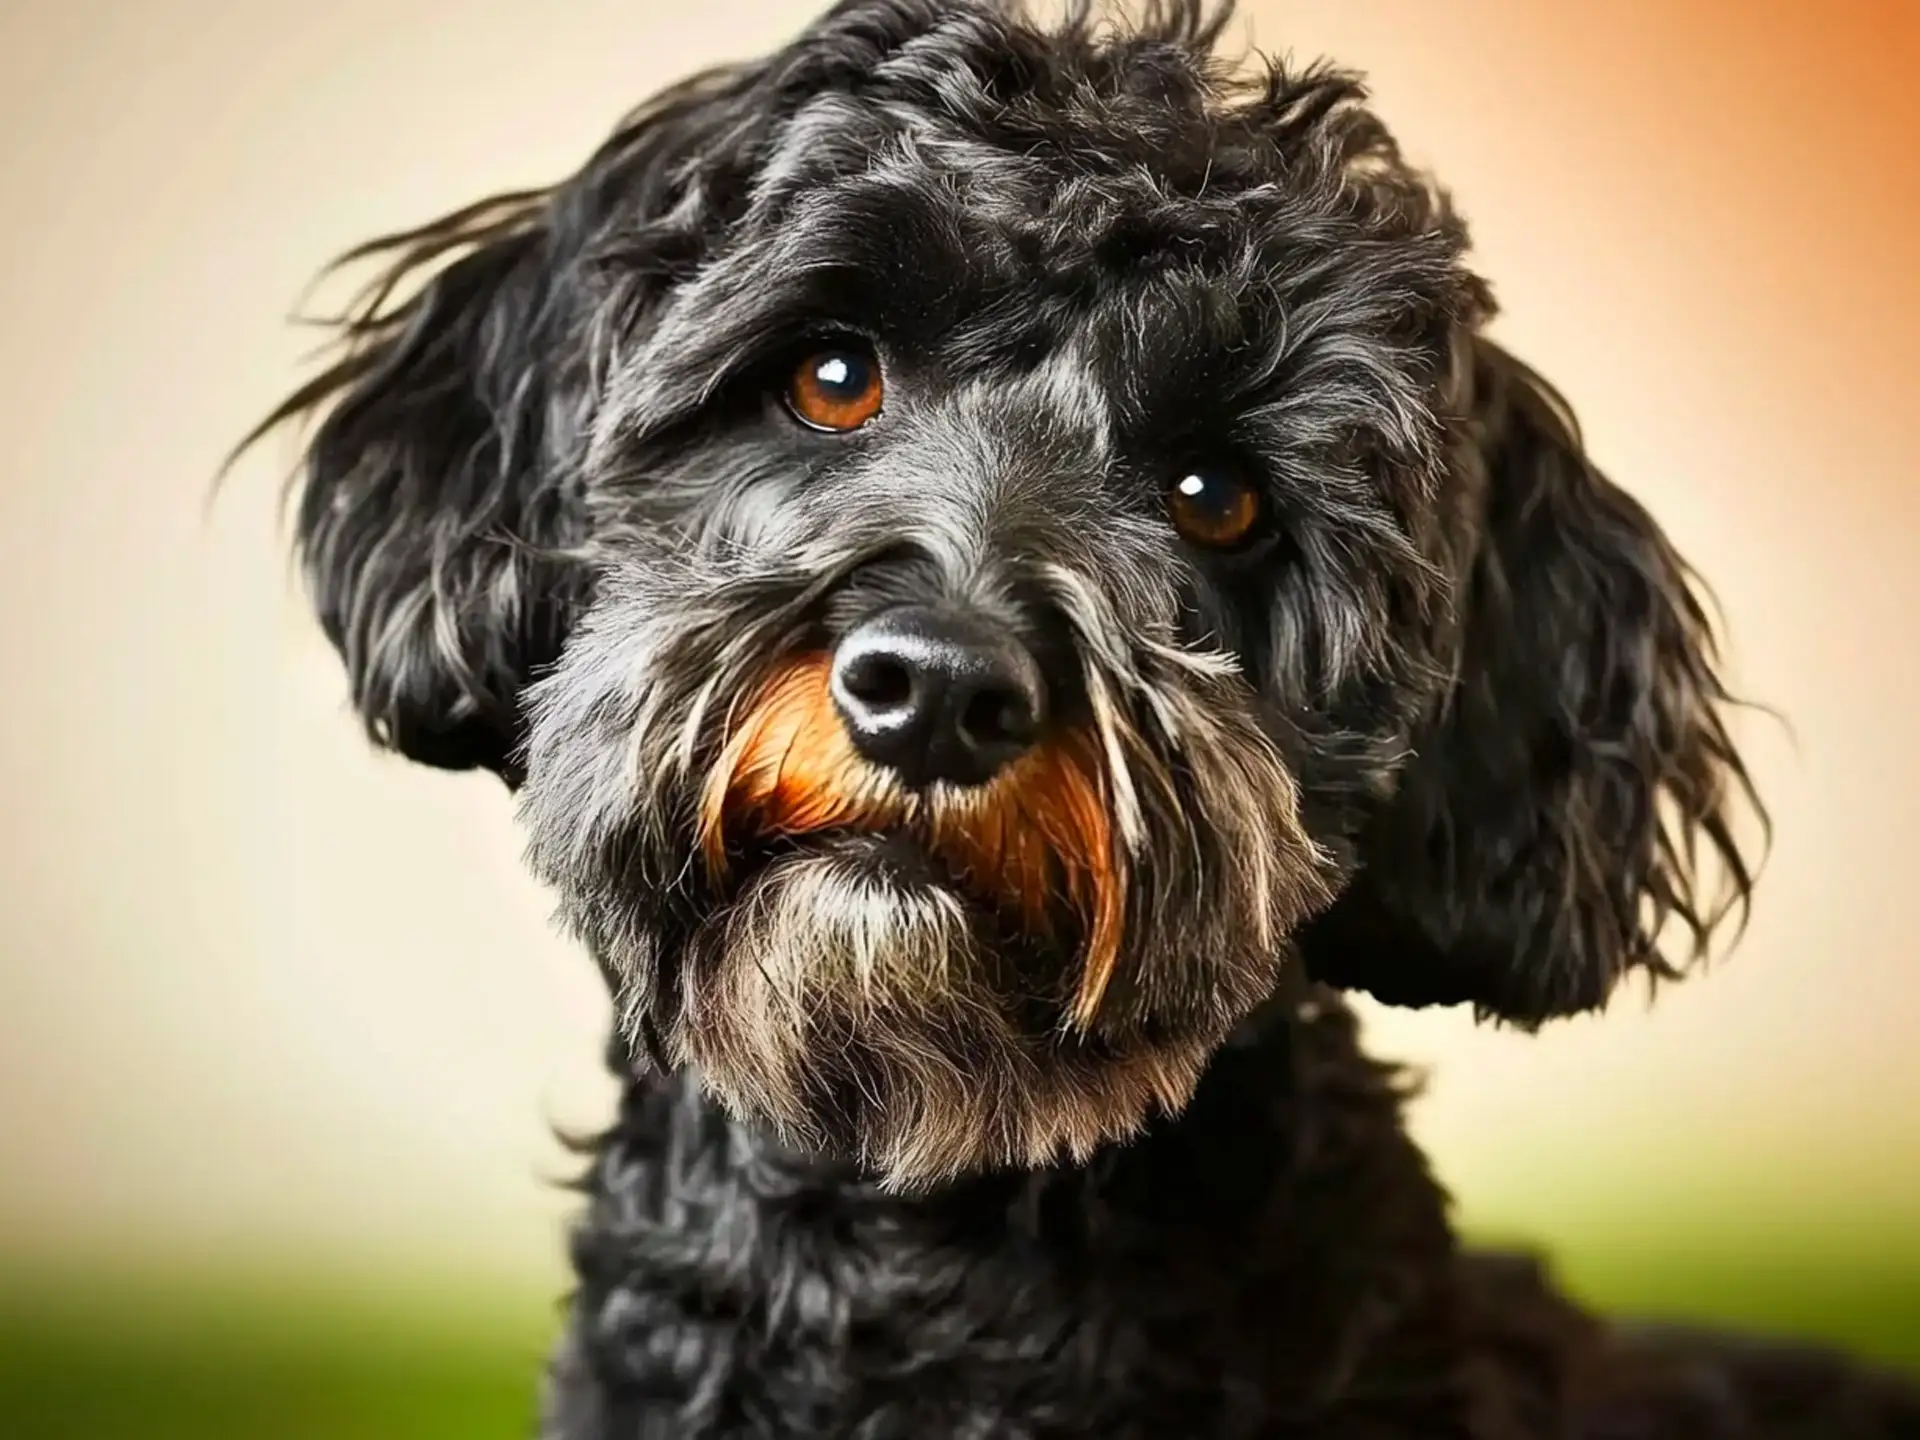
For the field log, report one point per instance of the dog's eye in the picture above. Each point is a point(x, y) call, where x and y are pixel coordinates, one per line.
point(837, 389)
point(1213, 507)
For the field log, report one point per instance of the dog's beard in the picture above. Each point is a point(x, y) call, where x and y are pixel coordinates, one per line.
point(931, 982)
point(860, 1008)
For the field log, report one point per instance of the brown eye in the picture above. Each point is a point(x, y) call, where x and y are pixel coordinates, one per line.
point(1214, 508)
point(836, 389)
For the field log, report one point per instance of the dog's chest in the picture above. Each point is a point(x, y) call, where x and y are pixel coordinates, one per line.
point(1184, 1287)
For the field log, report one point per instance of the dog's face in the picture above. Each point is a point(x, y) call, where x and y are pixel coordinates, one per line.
point(979, 546)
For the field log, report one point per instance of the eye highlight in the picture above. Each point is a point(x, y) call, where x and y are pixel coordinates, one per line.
point(1214, 507)
point(836, 388)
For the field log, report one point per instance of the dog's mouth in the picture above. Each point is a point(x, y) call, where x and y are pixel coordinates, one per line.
point(1034, 849)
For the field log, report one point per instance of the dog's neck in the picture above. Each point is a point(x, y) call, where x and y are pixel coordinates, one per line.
point(1254, 1086)
point(1176, 1248)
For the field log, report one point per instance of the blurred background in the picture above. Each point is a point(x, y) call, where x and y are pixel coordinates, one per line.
point(284, 1032)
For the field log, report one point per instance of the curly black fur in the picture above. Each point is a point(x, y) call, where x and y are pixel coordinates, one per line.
point(1446, 728)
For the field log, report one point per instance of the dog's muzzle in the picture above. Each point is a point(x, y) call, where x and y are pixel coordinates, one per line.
point(897, 896)
point(927, 727)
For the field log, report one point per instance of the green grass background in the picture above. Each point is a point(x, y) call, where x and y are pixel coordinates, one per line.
point(293, 1352)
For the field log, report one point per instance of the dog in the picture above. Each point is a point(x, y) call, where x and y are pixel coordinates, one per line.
point(1005, 573)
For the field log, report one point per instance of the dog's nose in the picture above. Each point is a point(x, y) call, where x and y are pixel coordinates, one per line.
point(935, 695)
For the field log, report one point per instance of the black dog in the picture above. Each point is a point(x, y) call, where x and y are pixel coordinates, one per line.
point(1001, 566)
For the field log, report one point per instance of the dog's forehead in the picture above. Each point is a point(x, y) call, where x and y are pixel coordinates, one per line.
point(959, 246)
point(1188, 248)
point(1055, 204)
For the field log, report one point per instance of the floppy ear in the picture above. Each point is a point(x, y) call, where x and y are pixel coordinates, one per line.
point(441, 504)
point(433, 503)
point(1579, 788)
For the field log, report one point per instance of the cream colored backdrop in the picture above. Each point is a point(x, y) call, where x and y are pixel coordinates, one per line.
point(266, 993)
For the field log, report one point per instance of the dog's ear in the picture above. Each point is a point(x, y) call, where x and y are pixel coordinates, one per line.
point(434, 503)
point(440, 502)
point(1579, 789)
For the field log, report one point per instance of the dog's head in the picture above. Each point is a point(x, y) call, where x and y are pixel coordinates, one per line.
point(978, 545)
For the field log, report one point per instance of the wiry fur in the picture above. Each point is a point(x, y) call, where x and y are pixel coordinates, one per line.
point(905, 1152)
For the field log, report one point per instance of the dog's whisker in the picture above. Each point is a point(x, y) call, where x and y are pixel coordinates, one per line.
point(1126, 800)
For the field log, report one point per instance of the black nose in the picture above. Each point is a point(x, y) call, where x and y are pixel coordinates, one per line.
point(935, 695)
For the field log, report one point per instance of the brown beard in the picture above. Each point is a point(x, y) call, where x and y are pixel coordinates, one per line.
point(1037, 834)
